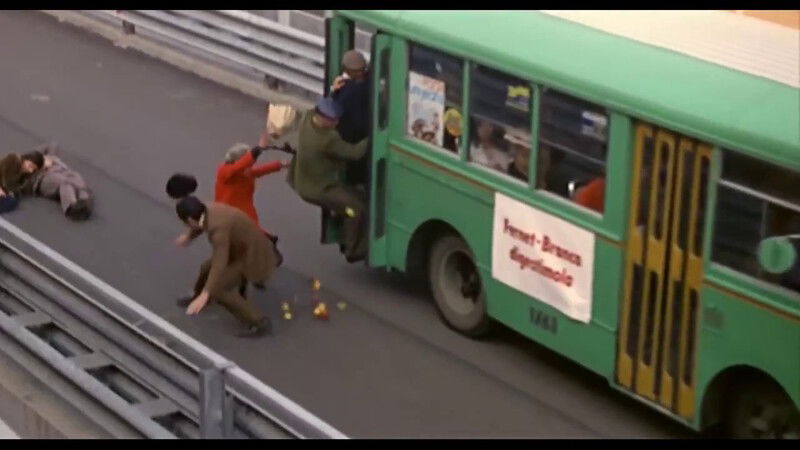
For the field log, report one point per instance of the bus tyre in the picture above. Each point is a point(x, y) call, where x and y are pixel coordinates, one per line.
point(457, 288)
point(763, 411)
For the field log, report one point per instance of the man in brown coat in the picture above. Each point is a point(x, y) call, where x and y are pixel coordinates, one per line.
point(240, 252)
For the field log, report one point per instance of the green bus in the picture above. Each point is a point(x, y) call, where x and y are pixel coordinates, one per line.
point(631, 206)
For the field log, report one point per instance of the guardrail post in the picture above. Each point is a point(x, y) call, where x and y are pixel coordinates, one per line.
point(127, 27)
point(228, 415)
point(216, 421)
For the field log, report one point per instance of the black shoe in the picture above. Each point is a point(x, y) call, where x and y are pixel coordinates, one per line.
point(73, 213)
point(278, 254)
point(355, 258)
point(184, 302)
point(263, 328)
point(78, 210)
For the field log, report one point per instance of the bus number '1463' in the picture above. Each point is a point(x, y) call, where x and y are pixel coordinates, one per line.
point(543, 320)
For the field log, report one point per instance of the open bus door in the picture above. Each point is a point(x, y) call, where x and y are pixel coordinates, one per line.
point(339, 37)
point(379, 141)
point(372, 170)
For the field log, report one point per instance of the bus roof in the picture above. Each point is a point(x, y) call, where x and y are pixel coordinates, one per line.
point(686, 93)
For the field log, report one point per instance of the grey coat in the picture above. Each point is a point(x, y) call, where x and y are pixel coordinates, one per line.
point(48, 181)
point(59, 182)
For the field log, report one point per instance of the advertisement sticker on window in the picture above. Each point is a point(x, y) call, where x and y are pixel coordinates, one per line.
point(426, 108)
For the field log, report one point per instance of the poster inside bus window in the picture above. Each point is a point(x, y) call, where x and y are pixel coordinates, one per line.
point(594, 125)
point(519, 98)
point(426, 108)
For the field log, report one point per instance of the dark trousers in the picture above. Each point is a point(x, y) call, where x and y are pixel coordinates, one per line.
point(233, 294)
point(338, 199)
point(68, 194)
point(278, 254)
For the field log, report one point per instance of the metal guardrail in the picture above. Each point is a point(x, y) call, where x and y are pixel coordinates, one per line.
point(286, 48)
point(277, 51)
point(142, 369)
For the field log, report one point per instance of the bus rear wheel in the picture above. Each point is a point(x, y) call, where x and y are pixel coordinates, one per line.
point(457, 288)
point(763, 411)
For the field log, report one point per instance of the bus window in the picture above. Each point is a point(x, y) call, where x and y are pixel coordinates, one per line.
point(572, 152)
point(500, 132)
point(755, 200)
point(383, 90)
point(435, 82)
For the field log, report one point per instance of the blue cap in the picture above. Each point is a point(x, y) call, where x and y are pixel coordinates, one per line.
point(329, 108)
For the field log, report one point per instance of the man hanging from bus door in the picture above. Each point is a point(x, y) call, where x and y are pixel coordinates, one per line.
point(322, 155)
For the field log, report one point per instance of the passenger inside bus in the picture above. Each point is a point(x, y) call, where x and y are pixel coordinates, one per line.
point(548, 171)
point(592, 194)
point(486, 148)
point(521, 154)
point(351, 92)
point(577, 132)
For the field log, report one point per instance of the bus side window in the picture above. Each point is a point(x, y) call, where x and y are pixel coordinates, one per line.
point(573, 138)
point(383, 90)
point(500, 113)
point(435, 82)
point(755, 200)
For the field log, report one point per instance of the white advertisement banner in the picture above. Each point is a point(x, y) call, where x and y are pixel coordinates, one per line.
point(543, 256)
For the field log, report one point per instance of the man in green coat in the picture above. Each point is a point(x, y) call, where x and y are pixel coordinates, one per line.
point(321, 160)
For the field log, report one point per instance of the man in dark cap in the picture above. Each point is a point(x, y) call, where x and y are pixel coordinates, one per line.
point(351, 92)
point(321, 157)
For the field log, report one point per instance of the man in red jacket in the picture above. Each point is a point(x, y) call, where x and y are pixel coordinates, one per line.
point(236, 177)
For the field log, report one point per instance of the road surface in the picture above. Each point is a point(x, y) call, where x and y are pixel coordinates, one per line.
point(384, 367)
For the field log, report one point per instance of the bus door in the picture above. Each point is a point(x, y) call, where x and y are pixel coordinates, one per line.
point(381, 67)
point(339, 38)
point(658, 327)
